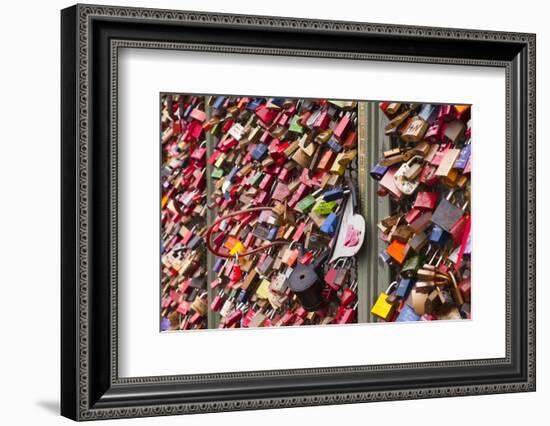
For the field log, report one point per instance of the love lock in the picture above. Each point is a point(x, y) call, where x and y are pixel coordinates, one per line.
point(405, 175)
point(305, 282)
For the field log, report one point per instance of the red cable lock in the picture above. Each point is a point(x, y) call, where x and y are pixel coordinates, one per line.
point(247, 253)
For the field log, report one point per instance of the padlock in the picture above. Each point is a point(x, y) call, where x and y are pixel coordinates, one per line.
point(342, 125)
point(342, 273)
point(333, 194)
point(407, 314)
point(259, 152)
point(414, 129)
point(447, 214)
point(385, 258)
point(304, 281)
point(329, 224)
point(405, 176)
point(433, 302)
point(457, 230)
point(401, 233)
point(348, 315)
point(447, 162)
point(218, 302)
point(378, 171)
point(438, 236)
point(388, 183)
point(411, 266)
point(394, 124)
point(428, 113)
point(390, 108)
point(382, 309)
point(396, 250)
point(234, 317)
point(425, 200)
point(330, 276)
point(404, 287)
point(306, 203)
point(463, 157)
point(418, 241)
point(199, 305)
point(422, 223)
point(349, 295)
point(427, 175)
point(454, 131)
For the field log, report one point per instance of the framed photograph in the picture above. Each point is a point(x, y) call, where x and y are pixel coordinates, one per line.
point(263, 212)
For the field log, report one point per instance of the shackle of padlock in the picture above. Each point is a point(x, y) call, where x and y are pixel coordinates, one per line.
point(414, 159)
point(391, 287)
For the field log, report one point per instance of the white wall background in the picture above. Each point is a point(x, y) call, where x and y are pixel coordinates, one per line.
point(29, 213)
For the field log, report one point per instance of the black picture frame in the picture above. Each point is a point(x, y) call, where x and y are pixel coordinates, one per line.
point(90, 386)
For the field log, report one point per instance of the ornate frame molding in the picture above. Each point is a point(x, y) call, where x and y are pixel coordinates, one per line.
point(86, 407)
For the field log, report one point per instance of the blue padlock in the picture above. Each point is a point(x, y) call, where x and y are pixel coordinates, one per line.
point(254, 103)
point(277, 101)
point(404, 287)
point(243, 296)
point(272, 233)
point(463, 157)
point(333, 194)
point(378, 172)
point(218, 264)
point(218, 103)
point(227, 194)
point(232, 174)
point(329, 225)
point(407, 314)
point(334, 145)
point(438, 236)
point(428, 113)
point(259, 152)
point(385, 258)
point(188, 111)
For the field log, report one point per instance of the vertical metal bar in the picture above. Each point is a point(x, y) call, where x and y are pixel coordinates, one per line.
point(376, 143)
point(362, 177)
point(213, 318)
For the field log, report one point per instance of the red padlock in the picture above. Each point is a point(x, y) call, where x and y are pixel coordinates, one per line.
point(426, 200)
point(349, 295)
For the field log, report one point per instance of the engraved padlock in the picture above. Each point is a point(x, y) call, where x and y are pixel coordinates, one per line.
point(407, 173)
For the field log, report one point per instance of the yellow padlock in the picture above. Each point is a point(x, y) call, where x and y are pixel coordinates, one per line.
point(263, 289)
point(342, 160)
point(236, 249)
point(220, 160)
point(382, 309)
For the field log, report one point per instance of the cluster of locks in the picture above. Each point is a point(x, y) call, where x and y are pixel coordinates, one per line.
point(281, 193)
point(427, 178)
point(183, 214)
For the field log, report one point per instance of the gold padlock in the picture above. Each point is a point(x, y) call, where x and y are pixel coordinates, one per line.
point(342, 161)
point(301, 157)
point(199, 305)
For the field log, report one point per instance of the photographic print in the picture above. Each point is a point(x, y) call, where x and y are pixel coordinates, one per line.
point(264, 212)
point(318, 197)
